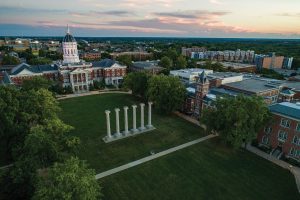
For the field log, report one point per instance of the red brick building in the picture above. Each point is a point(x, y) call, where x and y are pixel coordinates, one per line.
point(282, 134)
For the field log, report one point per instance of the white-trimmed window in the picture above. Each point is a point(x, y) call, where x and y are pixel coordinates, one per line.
point(298, 127)
point(285, 123)
point(268, 129)
point(296, 140)
point(282, 135)
point(294, 152)
point(265, 140)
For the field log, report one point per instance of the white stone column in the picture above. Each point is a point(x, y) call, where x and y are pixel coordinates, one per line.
point(149, 115)
point(87, 81)
point(117, 110)
point(142, 116)
point(107, 112)
point(134, 118)
point(126, 120)
point(72, 82)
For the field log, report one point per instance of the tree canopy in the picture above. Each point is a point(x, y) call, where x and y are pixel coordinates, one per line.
point(181, 62)
point(166, 92)
point(10, 60)
point(33, 135)
point(69, 180)
point(138, 83)
point(166, 62)
point(36, 83)
point(125, 60)
point(238, 119)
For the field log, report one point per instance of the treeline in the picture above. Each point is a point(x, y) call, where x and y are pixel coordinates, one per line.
point(38, 144)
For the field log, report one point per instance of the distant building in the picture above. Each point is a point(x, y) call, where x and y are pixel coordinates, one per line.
point(257, 87)
point(92, 55)
point(135, 55)
point(222, 84)
point(72, 72)
point(188, 76)
point(151, 67)
point(188, 51)
point(217, 79)
point(287, 63)
point(239, 56)
point(282, 134)
point(270, 61)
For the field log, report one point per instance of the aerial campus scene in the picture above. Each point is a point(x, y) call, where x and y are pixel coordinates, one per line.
point(149, 100)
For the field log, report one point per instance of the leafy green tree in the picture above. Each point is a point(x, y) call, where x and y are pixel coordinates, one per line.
point(39, 61)
point(42, 53)
point(105, 55)
point(166, 62)
point(10, 60)
point(125, 60)
point(9, 115)
point(138, 83)
point(181, 62)
point(237, 120)
point(36, 83)
point(167, 93)
point(69, 180)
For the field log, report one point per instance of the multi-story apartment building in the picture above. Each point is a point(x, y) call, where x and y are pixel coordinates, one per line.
point(282, 133)
point(227, 55)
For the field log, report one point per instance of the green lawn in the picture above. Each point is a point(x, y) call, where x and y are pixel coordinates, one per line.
point(208, 170)
point(205, 171)
point(87, 115)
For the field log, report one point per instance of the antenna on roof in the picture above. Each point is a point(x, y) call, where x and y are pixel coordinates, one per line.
point(68, 29)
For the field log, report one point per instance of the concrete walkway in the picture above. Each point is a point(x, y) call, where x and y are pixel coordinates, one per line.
point(148, 158)
point(6, 166)
point(68, 96)
point(293, 169)
point(190, 119)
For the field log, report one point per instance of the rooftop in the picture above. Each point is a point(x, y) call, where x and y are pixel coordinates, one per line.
point(252, 85)
point(222, 75)
point(146, 64)
point(286, 108)
point(104, 63)
point(34, 69)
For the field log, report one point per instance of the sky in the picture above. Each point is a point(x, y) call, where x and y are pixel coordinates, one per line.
point(152, 18)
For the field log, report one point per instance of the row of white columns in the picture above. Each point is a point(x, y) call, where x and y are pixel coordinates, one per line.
point(134, 129)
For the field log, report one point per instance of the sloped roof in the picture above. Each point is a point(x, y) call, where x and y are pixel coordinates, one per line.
point(105, 63)
point(286, 108)
point(69, 38)
point(287, 92)
point(6, 79)
point(34, 69)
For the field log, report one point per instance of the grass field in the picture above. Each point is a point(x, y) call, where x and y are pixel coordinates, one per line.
point(208, 170)
point(87, 115)
point(205, 171)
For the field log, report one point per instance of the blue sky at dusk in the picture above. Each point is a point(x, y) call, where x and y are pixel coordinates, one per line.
point(175, 18)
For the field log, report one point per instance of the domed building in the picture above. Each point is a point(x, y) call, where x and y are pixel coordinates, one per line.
point(71, 72)
point(69, 46)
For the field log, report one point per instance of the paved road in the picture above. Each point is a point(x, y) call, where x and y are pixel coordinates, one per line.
point(148, 158)
point(294, 170)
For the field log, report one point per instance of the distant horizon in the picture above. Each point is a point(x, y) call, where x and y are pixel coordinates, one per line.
point(274, 19)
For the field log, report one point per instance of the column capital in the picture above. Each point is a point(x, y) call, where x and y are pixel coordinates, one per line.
point(142, 104)
point(134, 106)
point(125, 107)
point(107, 111)
point(117, 109)
point(150, 102)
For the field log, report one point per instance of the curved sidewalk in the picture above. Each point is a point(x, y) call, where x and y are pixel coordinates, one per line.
point(148, 158)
